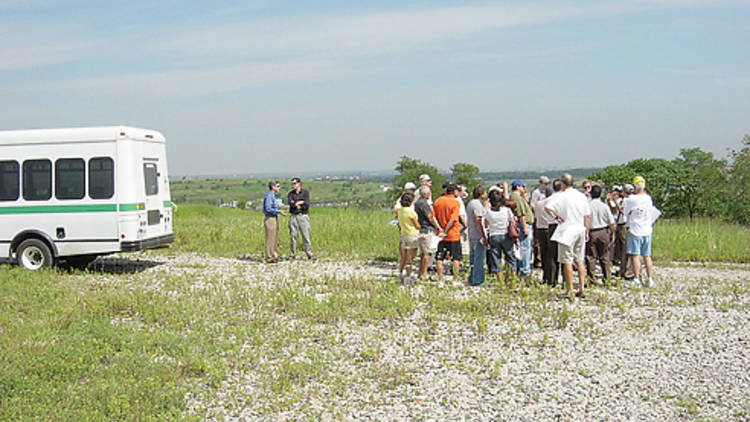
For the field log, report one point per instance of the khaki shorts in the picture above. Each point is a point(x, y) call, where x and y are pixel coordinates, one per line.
point(424, 241)
point(409, 241)
point(574, 253)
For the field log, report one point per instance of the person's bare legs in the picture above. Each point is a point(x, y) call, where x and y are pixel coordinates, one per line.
point(402, 263)
point(636, 260)
point(424, 260)
point(409, 256)
point(439, 266)
point(649, 265)
point(456, 267)
point(568, 277)
point(581, 276)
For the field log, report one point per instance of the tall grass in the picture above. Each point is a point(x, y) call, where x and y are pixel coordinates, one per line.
point(703, 240)
point(365, 234)
point(336, 232)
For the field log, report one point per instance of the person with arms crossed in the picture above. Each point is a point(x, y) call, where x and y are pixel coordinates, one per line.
point(299, 220)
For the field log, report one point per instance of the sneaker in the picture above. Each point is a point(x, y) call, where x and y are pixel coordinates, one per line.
point(635, 283)
point(597, 282)
point(650, 283)
point(312, 257)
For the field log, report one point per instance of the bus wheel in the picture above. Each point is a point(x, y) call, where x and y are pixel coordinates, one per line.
point(34, 254)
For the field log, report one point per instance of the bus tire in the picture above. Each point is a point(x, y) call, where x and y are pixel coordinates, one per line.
point(33, 254)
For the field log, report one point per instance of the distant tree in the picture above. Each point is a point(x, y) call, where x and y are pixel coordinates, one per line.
point(409, 170)
point(703, 183)
point(739, 184)
point(465, 174)
point(663, 180)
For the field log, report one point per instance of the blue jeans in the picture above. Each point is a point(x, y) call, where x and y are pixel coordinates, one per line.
point(501, 244)
point(476, 259)
point(523, 265)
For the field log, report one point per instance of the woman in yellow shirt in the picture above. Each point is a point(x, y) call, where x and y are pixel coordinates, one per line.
point(407, 221)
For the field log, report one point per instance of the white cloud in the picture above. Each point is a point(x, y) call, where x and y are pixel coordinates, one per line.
point(196, 81)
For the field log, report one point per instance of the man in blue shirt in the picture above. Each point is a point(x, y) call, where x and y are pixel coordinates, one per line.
point(270, 222)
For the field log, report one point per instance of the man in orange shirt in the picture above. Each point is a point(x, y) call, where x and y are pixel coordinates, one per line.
point(446, 211)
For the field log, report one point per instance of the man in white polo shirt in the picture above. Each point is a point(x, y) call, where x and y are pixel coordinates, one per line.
point(572, 212)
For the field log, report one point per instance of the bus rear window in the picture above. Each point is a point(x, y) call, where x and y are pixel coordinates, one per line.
point(101, 178)
point(9, 183)
point(70, 178)
point(151, 177)
point(37, 180)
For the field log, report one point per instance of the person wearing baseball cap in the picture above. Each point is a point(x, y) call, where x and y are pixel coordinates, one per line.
point(639, 209)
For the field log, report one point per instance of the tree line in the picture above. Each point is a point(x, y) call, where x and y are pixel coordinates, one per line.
point(694, 184)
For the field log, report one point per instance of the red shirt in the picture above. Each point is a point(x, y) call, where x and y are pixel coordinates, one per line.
point(446, 208)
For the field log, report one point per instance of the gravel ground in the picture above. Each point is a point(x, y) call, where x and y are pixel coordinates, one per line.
point(678, 351)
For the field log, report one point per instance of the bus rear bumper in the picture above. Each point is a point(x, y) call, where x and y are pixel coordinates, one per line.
point(153, 243)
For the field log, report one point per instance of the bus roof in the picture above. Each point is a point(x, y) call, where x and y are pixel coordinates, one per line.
point(82, 134)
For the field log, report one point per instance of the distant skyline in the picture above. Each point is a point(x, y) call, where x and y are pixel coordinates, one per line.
point(264, 87)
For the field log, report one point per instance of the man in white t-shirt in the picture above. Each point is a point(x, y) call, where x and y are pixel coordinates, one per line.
point(572, 208)
point(639, 209)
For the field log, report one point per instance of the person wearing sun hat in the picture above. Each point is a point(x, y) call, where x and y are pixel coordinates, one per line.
point(639, 210)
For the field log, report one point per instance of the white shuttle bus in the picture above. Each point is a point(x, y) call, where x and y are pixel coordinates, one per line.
point(74, 194)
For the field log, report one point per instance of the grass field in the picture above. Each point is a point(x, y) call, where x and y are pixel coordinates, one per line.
point(166, 337)
point(358, 233)
point(218, 190)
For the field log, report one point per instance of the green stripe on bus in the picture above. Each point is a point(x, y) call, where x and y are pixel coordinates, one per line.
point(167, 204)
point(133, 207)
point(56, 209)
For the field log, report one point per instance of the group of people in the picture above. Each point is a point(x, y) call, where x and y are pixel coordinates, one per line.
point(556, 227)
point(299, 220)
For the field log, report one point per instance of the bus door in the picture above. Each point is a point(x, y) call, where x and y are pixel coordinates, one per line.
point(155, 216)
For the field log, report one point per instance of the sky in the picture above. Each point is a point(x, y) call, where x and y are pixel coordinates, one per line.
point(251, 87)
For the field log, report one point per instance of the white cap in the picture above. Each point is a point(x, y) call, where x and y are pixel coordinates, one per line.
point(424, 177)
point(410, 185)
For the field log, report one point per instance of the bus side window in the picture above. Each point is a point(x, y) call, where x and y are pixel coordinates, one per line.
point(70, 178)
point(151, 178)
point(37, 180)
point(9, 181)
point(101, 178)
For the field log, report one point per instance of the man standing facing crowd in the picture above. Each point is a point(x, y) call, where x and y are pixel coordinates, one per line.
point(271, 222)
point(299, 220)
